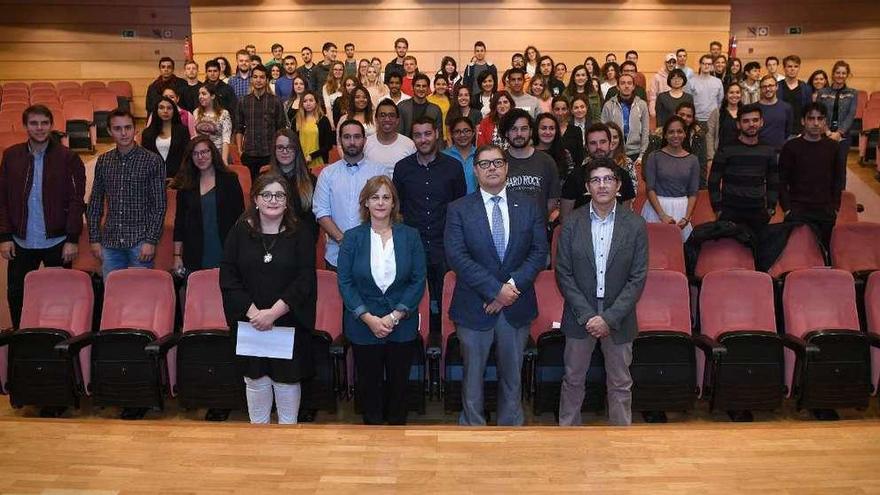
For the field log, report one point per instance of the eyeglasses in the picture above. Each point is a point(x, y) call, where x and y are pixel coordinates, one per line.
point(497, 163)
point(462, 132)
point(608, 179)
point(201, 153)
point(277, 196)
point(284, 149)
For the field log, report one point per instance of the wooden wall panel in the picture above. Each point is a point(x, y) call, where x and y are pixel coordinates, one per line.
point(568, 31)
point(81, 40)
point(831, 31)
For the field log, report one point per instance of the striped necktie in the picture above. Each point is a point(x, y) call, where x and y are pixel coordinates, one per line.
point(498, 227)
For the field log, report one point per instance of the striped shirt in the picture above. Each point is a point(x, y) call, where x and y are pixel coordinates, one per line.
point(744, 177)
point(133, 186)
point(258, 118)
point(602, 231)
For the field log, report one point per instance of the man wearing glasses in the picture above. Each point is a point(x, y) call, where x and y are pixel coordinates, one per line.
point(601, 266)
point(496, 244)
point(387, 146)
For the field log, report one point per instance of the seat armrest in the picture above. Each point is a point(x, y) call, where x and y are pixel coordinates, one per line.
point(339, 346)
point(162, 345)
point(709, 346)
point(4, 335)
point(799, 345)
point(73, 345)
point(873, 339)
point(433, 346)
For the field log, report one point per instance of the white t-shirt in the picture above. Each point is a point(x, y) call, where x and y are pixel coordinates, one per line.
point(163, 146)
point(388, 155)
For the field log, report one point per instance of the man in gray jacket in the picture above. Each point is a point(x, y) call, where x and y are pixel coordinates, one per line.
point(418, 106)
point(601, 266)
point(629, 112)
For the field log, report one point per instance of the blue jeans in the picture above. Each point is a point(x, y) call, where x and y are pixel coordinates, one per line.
point(119, 258)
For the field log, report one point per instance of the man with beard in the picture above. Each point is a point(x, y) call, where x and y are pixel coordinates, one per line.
point(240, 82)
point(258, 117)
point(744, 181)
point(776, 114)
point(284, 84)
point(166, 79)
point(189, 99)
point(427, 181)
point(418, 106)
point(575, 193)
point(395, 66)
point(387, 146)
point(335, 203)
point(529, 170)
point(225, 94)
point(305, 70)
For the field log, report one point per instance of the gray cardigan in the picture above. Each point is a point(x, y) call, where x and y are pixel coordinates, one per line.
point(637, 139)
point(625, 274)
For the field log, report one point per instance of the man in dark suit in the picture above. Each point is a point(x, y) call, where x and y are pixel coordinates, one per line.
point(496, 244)
point(601, 266)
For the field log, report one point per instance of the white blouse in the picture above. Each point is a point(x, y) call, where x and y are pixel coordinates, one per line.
point(382, 263)
point(163, 146)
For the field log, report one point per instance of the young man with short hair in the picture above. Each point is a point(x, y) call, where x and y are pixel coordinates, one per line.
point(250, 50)
point(477, 67)
point(255, 61)
point(387, 146)
point(641, 82)
point(394, 81)
point(812, 175)
point(42, 184)
point(410, 68)
point(707, 90)
point(259, 115)
point(630, 112)
point(189, 100)
point(395, 66)
point(530, 171)
point(772, 65)
point(306, 70)
point(751, 85)
point(418, 106)
point(715, 48)
point(284, 84)
point(777, 115)
point(515, 82)
point(798, 94)
point(744, 180)
point(351, 63)
point(321, 71)
point(681, 58)
point(277, 56)
point(240, 82)
point(630, 68)
point(225, 94)
point(130, 181)
point(166, 79)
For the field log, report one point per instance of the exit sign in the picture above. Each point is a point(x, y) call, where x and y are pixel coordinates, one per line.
point(795, 30)
point(129, 33)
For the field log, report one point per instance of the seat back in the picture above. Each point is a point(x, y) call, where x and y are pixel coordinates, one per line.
point(103, 101)
point(819, 298)
point(204, 302)
point(244, 178)
point(703, 212)
point(16, 97)
point(801, 251)
point(14, 106)
point(93, 85)
point(42, 85)
point(66, 85)
point(447, 326)
point(139, 298)
point(665, 303)
point(328, 314)
point(58, 298)
point(872, 322)
point(14, 86)
point(736, 300)
point(8, 139)
point(425, 316)
point(554, 245)
point(550, 304)
point(849, 210)
point(665, 247)
point(723, 254)
point(78, 110)
point(121, 88)
point(855, 247)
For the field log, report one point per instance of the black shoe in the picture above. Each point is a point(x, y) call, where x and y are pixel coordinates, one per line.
point(133, 413)
point(52, 411)
point(825, 414)
point(742, 416)
point(306, 416)
point(217, 414)
point(654, 416)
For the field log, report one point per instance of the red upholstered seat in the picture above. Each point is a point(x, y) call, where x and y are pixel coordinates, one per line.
point(723, 254)
point(855, 247)
point(665, 247)
point(802, 251)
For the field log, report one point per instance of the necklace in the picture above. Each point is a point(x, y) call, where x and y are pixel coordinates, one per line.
point(267, 258)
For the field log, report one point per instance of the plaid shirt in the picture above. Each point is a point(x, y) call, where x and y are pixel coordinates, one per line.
point(133, 186)
point(258, 118)
point(240, 85)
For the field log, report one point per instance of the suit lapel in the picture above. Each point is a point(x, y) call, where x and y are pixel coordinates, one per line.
point(588, 238)
point(618, 237)
point(483, 222)
point(397, 238)
point(366, 261)
point(513, 217)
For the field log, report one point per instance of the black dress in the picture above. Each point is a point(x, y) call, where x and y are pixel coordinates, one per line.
point(290, 276)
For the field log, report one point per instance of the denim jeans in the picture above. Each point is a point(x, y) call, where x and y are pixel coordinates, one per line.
point(119, 258)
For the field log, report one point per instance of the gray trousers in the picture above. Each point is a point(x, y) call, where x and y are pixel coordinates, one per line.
point(510, 342)
point(618, 380)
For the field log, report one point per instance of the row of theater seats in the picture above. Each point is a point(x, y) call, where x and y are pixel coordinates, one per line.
point(866, 127)
point(735, 357)
point(80, 110)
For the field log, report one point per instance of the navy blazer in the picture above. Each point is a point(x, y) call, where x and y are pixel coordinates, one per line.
point(480, 274)
point(360, 294)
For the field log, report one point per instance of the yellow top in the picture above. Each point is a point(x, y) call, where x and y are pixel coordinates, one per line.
point(443, 103)
point(310, 142)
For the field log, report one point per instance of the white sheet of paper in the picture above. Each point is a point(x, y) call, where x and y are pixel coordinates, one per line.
point(275, 343)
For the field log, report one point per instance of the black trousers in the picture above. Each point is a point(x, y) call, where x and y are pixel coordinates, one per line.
point(434, 275)
point(821, 219)
point(756, 220)
point(254, 163)
point(382, 376)
point(26, 260)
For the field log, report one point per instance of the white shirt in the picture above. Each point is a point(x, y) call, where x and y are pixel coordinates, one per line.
point(505, 216)
point(486, 101)
point(382, 262)
point(602, 232)
point(163, 146)
point(388, 155)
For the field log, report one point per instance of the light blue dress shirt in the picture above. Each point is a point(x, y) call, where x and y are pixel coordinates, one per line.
point(602, 231)
point(36, 221)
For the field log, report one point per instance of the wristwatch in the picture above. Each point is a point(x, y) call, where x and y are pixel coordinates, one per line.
point(394, 321)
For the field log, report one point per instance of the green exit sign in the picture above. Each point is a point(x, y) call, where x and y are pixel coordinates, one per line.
point(129, 33)
point(795, 30)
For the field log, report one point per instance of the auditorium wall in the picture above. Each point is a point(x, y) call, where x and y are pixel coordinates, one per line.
point(831, 30)
point(82, 40)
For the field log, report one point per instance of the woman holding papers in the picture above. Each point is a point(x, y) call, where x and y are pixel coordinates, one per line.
point(382, 279)
point(268, 281)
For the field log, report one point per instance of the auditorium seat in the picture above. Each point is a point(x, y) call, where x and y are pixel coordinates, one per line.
point(207, 376)
point(664, 358)
point(81, 134)
point(543, 380)
point(10, 122)
point(42, 85)
point(103, 102)
point(872, 325)
point(320, 249)
point(554, 245)
point(15, 85)
point(138, 311)
point(244, 179)
point(827, 360)
point(855, 247)
point(419, 379)
point(84, 260)
point(66, 96)
point(56, 315)
point(14, 106)
point(849, 209)
point(164, 259)
point(8, 139)
point(44, 99)
point(328, 348)
point(63, 85)
point(703, 212)
point(123, 91)
point(741, 366)
point(16, 98)
point(723, 254)
point(801, 251)
point(665, 247)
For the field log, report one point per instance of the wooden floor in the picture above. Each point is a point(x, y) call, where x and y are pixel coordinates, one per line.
point(112, 456)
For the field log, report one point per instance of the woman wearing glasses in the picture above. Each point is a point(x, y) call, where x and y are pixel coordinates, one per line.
point(289, 162)
point(382, 274)
point(267, 278)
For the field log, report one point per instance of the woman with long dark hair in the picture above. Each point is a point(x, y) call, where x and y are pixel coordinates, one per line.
point(166, 135)
point(487, 131)
point(289, 162)
point(449, 70)
point(316, 136)
point(461, 107)
point(488, 87)
point(213, 120)
point(721, 127)
point(548, 138)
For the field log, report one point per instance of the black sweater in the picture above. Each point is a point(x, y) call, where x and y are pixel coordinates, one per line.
point(744, 177)
point(188, 217)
